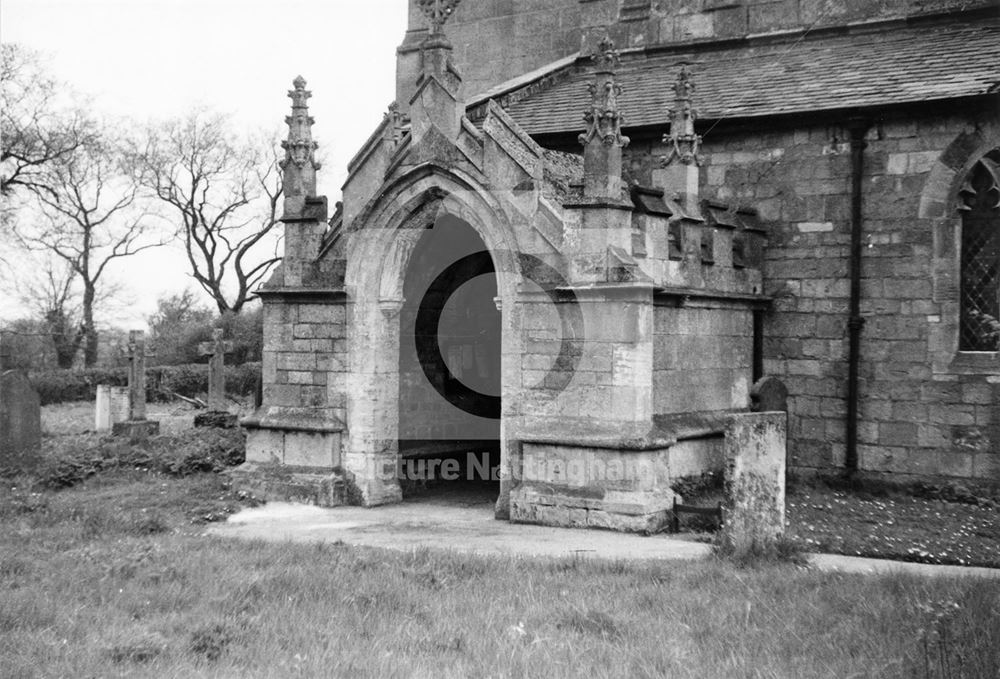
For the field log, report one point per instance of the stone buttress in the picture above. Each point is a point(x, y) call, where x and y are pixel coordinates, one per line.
point(294, 440)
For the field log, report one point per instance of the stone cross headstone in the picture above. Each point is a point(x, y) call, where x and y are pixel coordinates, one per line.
point(20, 416)
point(137, 425)
point(216, 349)
point(217, 415)
point(136, 375)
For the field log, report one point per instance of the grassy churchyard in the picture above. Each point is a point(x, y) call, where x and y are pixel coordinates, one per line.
point(105, 570)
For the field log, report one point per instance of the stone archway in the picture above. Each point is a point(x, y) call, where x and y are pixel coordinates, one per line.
point(449, 366)
point(379, 257)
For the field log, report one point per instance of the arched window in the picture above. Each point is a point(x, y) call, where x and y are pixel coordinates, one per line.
point(980, 292)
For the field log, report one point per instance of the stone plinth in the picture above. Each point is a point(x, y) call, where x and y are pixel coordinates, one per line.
point(585, 487)
point(306, 445)
point(293, 457)
point(615, 477)
point(612, 477)
point(755, 480)
point(20, 421)
point(279, 482)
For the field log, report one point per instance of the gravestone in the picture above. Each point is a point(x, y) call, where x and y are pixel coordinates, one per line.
point(136, 426)
point(217, 415)
point(20, 417)
point(769, 395)
point(111, 407)
point(754, 480)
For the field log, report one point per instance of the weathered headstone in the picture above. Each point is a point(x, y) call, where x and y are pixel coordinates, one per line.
point(217, 415)
point(20, 416)
point(136, 426)
point(111, 407)
point(769, 395)
point(755, 481)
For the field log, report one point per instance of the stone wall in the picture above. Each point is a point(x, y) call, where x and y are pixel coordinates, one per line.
point(305, 357)
point(304, 376)
point(499, 40)
point(595, 362)
point(702, 359)
point(924, 409)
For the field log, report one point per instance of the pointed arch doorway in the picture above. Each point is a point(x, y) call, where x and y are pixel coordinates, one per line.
point(450, 337)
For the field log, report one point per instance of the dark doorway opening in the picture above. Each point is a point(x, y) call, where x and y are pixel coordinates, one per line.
point(449, 369)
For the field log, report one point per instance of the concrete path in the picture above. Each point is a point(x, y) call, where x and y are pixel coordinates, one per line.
point(860, 564)
point(472, 529)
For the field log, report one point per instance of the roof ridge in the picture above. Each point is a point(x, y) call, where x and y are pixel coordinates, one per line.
point(846, 69)
point(847, 29)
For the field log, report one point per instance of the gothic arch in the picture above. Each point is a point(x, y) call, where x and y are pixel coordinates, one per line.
point(380, 246)
point(940, 211)
point(410, 202)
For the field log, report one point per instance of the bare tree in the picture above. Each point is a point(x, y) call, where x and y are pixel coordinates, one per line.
point(45, 286)
point(225, 191)
point(51, 292)
point(35, 131)
point(89, 216)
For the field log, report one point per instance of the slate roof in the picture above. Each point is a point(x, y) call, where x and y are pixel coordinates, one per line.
point(856, 67)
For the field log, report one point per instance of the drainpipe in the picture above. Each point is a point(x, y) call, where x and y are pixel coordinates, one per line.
point(858, 128)
point(758, 345)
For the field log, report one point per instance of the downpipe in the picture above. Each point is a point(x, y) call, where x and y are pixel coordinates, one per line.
point(858, 128)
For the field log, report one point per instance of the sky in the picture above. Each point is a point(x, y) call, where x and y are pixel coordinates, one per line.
point(149, 60)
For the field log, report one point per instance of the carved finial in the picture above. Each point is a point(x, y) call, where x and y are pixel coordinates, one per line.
point(396, 123)
point(437, 13)
point(684, 87)
point(299, 164)
point(604, 120)
point(606, 57)
point(683, 143)
point(299, 147)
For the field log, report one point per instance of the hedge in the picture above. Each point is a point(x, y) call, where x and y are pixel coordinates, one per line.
point(58, 386)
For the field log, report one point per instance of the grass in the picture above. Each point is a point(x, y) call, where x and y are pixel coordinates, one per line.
point(894, 524)
point(113, 577)
point(105, 571)
point(922, 523)
point(60, 419)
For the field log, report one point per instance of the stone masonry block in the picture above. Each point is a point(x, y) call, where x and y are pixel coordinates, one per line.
point(322, 313)
point(309, 449)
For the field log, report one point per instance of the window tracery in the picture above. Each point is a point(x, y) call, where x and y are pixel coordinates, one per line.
point(979, 205)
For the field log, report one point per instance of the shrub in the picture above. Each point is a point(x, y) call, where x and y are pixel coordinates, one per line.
point(59, 386)
point(72, 459)
point(180, 325)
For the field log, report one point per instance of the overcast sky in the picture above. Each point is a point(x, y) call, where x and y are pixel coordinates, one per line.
point(154, 59)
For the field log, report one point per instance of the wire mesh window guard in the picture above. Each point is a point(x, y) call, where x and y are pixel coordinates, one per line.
point(979, 327)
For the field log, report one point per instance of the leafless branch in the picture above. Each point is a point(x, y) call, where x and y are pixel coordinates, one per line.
point(224, 191)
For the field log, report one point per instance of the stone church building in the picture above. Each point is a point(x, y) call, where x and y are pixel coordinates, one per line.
point(586, 228)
